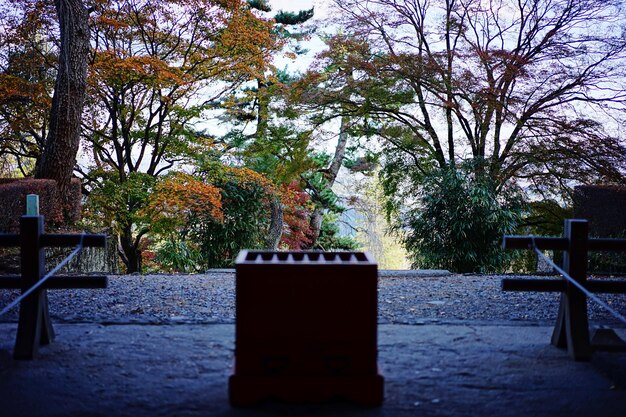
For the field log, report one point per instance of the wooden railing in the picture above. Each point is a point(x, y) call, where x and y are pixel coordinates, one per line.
point(34, 326)
point(572, 327)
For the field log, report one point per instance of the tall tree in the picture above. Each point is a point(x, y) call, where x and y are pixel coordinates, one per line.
point(264, 149)
point(28, 62)
point(529, 91)
point(157, 67)
point(523, 86)
point(332, 74)
point(61, 147)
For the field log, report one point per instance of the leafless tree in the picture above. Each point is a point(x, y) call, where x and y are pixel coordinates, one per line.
point(532, 88)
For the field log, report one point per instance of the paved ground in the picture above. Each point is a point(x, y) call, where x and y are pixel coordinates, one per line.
point(449, 345)
point(463, 369)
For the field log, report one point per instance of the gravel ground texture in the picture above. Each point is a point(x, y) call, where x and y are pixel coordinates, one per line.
point(404, 297)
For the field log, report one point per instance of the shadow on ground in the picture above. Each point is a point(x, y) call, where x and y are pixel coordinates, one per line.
point(430, 370)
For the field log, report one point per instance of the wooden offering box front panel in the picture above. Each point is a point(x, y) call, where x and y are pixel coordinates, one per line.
point(305, 321)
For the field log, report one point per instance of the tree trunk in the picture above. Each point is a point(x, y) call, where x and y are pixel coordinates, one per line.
point(330, 175)
point(276, 224)
point(263, 114)
point(130, 254)
point(340, 153)
point(315, 224)
point(263, 111)
point(59, 154)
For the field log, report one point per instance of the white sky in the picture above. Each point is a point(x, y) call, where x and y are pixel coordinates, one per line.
point(296, 5)
point(314, 45)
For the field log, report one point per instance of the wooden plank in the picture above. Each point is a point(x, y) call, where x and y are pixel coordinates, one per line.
point(8, 240)
point(34, 325)
point(607, 244)
point(575, 263)
point(537, 285)
point(89, 281)
point(62, 240)
point(543, 243)
point(30, 327)
point(10, 282)
point(58, 282)
point(606, 287)
point(91, 240)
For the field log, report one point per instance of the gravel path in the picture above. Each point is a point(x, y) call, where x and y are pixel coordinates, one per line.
point(417, 297)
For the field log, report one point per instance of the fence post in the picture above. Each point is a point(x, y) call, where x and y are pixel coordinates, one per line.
point(35, 327)
point(572, 327)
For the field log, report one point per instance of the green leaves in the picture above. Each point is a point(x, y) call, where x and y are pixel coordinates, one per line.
point(260, 5)
point(329, 238)
point(290, 18)
point(118, 204)
point(179, 255)
point(245, 223)
point(459, 222)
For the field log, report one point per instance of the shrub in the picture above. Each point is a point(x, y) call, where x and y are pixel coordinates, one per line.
point(297, 208)
point(329, 238)
point(204, 220)
point(246, 219)
point(460, 221)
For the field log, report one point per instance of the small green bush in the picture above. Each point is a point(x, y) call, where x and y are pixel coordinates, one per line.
point(459, 222)
point(245, 224)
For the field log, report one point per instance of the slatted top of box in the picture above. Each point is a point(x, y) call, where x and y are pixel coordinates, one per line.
point(305, 258)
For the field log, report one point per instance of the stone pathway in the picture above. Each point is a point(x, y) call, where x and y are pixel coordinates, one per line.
point(404, 297)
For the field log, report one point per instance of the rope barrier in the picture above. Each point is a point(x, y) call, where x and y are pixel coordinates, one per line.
point(39, 283)
point(577, 284)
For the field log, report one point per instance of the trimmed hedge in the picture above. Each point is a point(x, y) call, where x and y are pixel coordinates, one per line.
point(605, 208)
point(13, 194)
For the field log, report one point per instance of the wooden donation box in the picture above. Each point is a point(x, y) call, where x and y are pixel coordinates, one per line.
point(306, 328)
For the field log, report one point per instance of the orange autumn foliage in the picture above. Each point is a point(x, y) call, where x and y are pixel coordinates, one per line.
point(247, 178)
point(147, 69)
point(297, 208)
point(188, 42)
point(26, 81)
point(181, 196)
